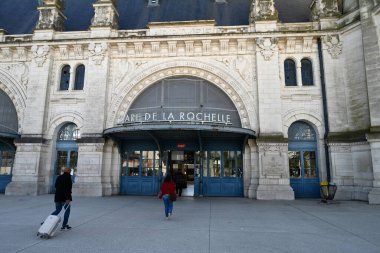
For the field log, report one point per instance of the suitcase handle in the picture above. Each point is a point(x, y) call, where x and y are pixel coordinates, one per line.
point(61, 214)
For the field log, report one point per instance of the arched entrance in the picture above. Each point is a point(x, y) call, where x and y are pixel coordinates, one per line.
point(67, 151)
point(8, 132)
point(303, 162)
point(182, 124)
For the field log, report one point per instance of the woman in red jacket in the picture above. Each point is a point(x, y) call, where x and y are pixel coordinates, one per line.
point(167, 188)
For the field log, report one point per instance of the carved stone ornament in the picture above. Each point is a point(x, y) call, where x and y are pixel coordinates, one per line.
point(51, 15)
point(262, 10)
point(105, 15)
point(333, 44)
point(97, 52)
point(267, 47)
point(40, 54)
point(329, 8)
point(19, 71)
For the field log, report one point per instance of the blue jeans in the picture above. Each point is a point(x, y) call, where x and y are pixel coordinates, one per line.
point(168, 205)
point(58, 208)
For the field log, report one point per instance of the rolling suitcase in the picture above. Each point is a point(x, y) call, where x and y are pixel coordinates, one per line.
point(50, 225)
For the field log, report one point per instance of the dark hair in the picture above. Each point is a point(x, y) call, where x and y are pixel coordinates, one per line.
point(168, 178)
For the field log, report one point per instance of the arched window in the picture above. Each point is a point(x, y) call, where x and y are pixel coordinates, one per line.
point(301, 131)
point(68, 132)
point(307, 72)
point(290, 73)
point(65, 78)
point(79, 77)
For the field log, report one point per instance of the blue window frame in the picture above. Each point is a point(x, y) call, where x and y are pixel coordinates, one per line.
point(307, 72)
point(290, 73)
point(65, 78)
point(79, 77)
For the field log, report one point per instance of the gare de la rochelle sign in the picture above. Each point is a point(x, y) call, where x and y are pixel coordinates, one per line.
point(178, 116)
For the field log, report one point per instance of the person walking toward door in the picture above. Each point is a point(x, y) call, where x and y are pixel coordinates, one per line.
point(179, 182)
point(168, 195)
point(63, 197)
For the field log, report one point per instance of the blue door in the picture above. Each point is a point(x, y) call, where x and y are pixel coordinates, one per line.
point(222, 173)
point(66, 151)
point(141, 172)
point(6, 162)
point(303, 165)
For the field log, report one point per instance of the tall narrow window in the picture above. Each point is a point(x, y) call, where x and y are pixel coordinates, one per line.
point(290, 73)
point(307, 72)
point(65, 78)
point(79, 77)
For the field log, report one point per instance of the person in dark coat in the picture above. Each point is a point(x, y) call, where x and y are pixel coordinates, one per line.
point(179, 180)
point(63, 197)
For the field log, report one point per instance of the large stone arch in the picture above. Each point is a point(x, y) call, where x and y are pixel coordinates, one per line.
point(135, 84)
point(311, 117)
point(15, 91)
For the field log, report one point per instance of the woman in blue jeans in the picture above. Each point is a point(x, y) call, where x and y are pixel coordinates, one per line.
point(167, 188)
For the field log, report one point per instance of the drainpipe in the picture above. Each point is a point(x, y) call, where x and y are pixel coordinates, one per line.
point(325, 111)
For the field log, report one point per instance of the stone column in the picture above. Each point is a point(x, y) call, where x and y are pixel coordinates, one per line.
point(254, 180)
point(274, 182)
point(28, 175)
point(369, 15)
point(88, 180)
point(374, 140)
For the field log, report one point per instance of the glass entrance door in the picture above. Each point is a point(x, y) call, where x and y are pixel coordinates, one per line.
point(140, 172)
point(303, 173)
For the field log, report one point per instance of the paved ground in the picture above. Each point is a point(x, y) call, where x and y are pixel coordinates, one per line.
point(218, 225)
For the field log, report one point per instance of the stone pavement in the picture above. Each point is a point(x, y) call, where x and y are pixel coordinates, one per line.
point(218, 225)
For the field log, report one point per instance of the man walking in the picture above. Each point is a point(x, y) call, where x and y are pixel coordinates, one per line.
point(62, 196)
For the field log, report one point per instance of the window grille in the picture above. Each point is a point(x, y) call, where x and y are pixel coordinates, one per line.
point(68, 132)
point(301, 131)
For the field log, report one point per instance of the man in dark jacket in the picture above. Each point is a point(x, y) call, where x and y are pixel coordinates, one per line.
point(62, 196)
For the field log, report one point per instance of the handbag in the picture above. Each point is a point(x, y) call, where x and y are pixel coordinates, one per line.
point(173, 197)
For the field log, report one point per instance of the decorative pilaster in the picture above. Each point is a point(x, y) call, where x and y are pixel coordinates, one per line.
point(51, 15)
point(106, 14)
point(29, 169)
point(88, 180)
point(254, 169)
point(374, 141)
point(274, 182)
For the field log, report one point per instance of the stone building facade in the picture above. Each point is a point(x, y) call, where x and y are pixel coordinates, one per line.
point(323, 74)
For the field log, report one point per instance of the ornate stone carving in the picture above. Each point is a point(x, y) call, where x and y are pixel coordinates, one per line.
point(105, 14)
point(262, 10)
point(97, 52)
point(19, 71)
point(40, 54)
point(333, 44)
point(51, 15)
point(267, 47)
point(329, 8)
